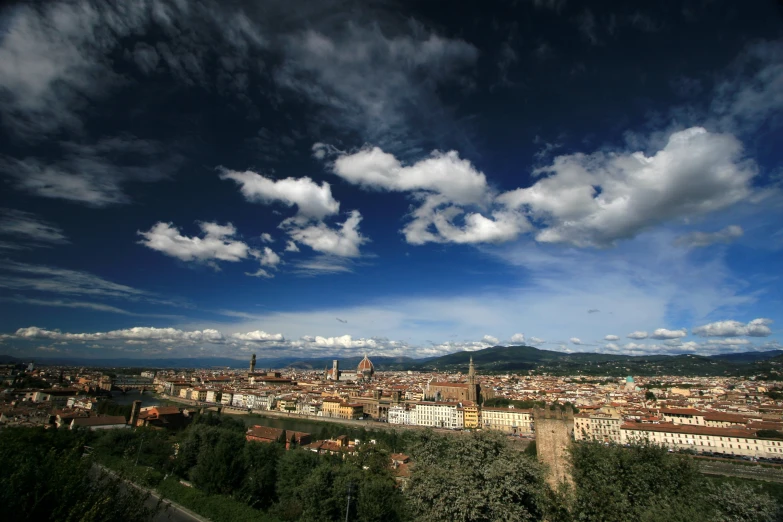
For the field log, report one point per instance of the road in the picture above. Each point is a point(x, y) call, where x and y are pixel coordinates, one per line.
point(170, 511)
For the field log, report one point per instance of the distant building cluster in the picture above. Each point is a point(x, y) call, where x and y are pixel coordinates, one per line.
point(707, 415)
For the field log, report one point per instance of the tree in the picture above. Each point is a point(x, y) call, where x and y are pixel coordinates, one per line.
point(641, 482)
point(260, 462)
point(46, 477)
point(737, 503)
point(650, 396)
point(293, 469)
point(219, 467)
point(477, 477)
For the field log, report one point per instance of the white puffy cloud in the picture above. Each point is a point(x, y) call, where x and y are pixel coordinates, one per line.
point(612, 338)
point(663, 333)
point(536, 341)
point(598, 199)
point(267, 257)
point(490, 339)
point(218, 243)
point(457, 180)
point(443, 184)
point(703, 239)
point(291, 247)
point(637, 335)
point(136, 333)
point(518, 338)
point(755, 328)
point(30, 227)
point(257, 335)
point(434, 222)
point(343, 241)
point(581, 199)
point(267, 238)
point(343, 341)
point(312, 201)
point(575, 340)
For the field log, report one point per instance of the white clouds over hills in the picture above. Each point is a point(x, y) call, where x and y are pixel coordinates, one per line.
point(755, 328)
point(136, 333)
point(663, 333)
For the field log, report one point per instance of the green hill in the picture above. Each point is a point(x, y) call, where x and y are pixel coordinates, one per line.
point(501, 359)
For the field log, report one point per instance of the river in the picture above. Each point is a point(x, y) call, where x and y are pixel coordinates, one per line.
point(147, 399)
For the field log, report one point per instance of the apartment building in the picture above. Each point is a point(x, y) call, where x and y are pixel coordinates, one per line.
point(436, 414)
point(598, 425)
point(508, 420)
point(399, 414)
point(472, 417)
point(730, 441)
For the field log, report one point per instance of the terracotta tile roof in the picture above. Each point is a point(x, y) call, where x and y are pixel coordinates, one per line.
point(100, 421)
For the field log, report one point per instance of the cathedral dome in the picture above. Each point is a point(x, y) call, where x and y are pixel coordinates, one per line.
point(365, 366)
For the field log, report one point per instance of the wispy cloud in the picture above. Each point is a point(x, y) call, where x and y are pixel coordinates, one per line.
point(30, 228)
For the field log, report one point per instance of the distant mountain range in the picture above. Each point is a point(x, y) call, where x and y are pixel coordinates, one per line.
point(525, 358)
point(498, 359)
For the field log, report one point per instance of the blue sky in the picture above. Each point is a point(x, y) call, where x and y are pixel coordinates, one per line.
point(224, 178)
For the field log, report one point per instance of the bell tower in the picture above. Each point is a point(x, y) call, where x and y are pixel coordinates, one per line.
point(473, 388)
point(253, 363)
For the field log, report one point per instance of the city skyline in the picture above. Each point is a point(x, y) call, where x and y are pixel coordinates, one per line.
point(388, 178)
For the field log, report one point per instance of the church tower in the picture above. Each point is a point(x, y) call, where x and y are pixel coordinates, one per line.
point(253, 363)
point(473, 388)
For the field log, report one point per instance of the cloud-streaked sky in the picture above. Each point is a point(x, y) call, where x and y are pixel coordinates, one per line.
point(189, 178)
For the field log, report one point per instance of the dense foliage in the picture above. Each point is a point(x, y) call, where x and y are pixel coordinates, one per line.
point(46, 477)
point(475, 477)
point(645, 482)
point(210, 468)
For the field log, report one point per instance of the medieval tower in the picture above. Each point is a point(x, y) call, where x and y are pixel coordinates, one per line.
point(553, 439)
point(253, 363)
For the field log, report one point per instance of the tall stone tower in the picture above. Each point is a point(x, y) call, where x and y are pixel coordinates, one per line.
point(253, 363)
point(473, 388)
point(335, 370)
point(553, 438)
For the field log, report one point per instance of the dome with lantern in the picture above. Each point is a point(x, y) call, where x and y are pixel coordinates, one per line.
point(365, 369)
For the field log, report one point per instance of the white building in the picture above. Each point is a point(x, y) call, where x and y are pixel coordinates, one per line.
point(238, 400)
point(399, 414)
point(437, 415)
point(729, 441)
point(508, 420)
point(265, 402)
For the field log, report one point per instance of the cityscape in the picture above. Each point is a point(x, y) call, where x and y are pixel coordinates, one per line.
point(391, 261)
